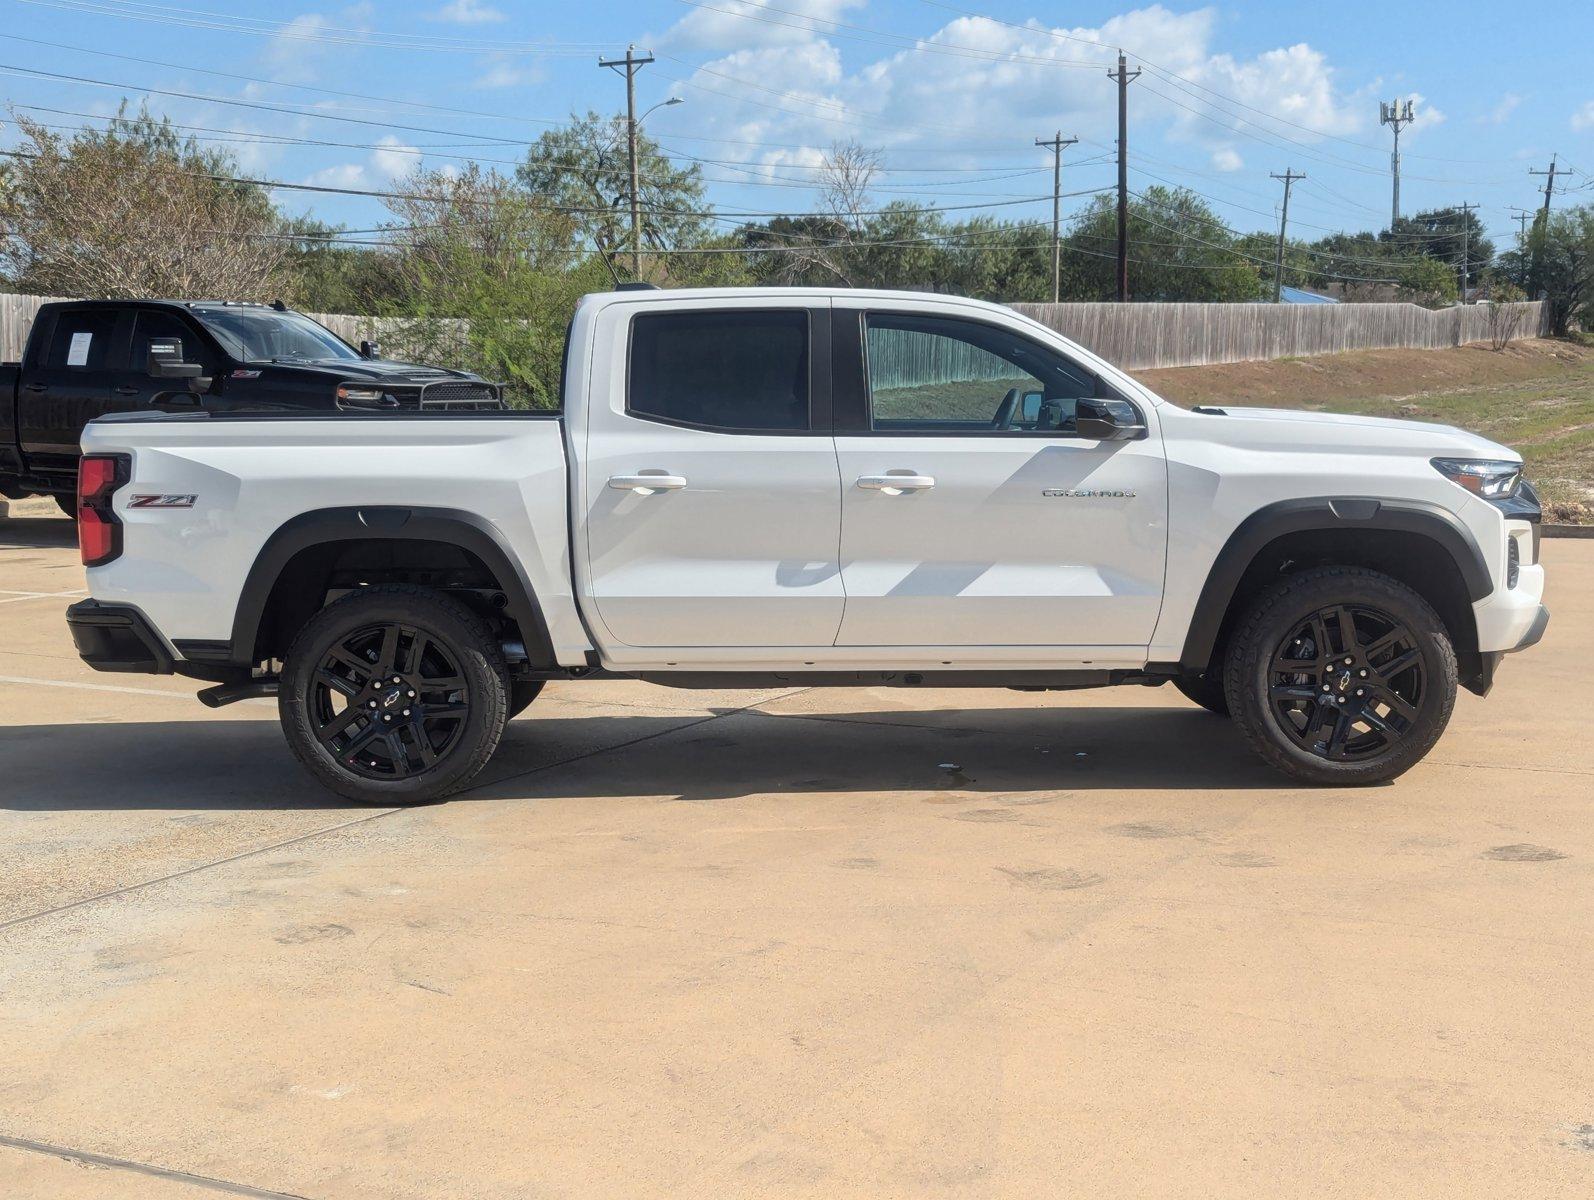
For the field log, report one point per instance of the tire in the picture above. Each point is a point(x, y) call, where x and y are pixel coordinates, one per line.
point(457, 681)
point(1205, 690)
point(521, 693)
point(1333, 721)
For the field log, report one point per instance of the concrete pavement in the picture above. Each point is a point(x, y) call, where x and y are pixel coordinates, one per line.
point(795, 942)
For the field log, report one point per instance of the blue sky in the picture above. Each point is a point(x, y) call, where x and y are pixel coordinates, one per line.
point(952, 94)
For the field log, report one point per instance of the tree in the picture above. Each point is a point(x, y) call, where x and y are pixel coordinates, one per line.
point(1442, 234)
point(487, 275)
point(1563, 246)
point(583, 168)
point(1177, 247)
point(134, 210)
point(326, 275)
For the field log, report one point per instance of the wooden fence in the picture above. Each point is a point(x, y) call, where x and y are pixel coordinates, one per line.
point(1137, 336)
point(1134, 336)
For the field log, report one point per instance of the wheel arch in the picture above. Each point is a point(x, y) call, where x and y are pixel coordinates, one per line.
point(1423, 545)
point(305, 540)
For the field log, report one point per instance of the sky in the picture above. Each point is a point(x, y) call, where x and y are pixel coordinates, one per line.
point(951, 94)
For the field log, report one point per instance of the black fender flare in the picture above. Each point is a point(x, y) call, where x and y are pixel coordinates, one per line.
point(467, 530)
point(1342, 513)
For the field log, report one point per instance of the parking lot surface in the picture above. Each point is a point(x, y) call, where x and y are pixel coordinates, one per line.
point(800, 942)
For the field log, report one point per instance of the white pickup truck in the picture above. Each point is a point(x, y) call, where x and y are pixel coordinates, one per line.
point(748, 487)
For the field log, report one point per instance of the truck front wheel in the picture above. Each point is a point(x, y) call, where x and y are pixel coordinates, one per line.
point(1341, 675)
point(394, 695)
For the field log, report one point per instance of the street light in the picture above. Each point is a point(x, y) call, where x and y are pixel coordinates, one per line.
point(636, 194)
point(656, 107)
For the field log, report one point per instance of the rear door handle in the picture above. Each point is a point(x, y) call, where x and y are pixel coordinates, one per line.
point(646, 483)
point(37, 387)
point(896, 485)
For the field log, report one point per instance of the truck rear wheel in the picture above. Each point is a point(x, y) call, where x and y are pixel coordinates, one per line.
point(394, 695)
point(1341, 675)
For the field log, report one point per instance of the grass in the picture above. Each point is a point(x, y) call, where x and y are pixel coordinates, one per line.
point(1536, 397)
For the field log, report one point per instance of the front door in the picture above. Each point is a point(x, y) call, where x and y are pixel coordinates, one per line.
point(709, 481)
point(972, 513)
point(173, 336)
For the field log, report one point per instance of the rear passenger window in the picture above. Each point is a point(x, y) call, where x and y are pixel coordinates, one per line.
point(721, 370)
point(81, 339)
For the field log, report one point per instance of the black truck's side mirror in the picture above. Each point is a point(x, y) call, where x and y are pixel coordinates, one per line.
point(370, 350)
point(1108, 421)
point(165, 362)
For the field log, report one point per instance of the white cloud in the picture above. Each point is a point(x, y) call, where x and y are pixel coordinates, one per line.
point(1583, 118)
point(976, 82)
point(301, 45)
point(1502, 111)
point(508, 70)
point(467, 12)
point(391, 159)
point(1427, 115)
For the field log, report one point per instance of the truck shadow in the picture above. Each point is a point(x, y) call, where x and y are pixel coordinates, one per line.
point(242, 765)
point(18, 533)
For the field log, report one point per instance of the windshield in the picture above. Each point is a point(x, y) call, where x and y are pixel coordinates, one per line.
point(266, 335)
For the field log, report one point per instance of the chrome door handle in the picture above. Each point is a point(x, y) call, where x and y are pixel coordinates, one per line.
point(646, 483)
point(896, 485)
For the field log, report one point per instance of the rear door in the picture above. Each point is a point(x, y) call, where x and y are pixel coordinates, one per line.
point(709, 487)
point(67, 383)
point(973, 514)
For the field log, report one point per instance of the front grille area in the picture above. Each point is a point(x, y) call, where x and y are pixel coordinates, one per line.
point(460, 394)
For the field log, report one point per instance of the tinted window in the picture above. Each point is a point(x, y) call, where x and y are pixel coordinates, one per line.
point(81, 339)
point(163, 329)
point(949, 376)
point(722, 370)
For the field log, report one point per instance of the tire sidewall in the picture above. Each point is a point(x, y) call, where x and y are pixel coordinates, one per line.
point(451, 624)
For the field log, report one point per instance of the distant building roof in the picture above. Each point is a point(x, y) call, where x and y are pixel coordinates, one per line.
point(1290, 295)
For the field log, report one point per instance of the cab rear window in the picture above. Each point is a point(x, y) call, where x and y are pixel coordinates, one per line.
point(727, 371)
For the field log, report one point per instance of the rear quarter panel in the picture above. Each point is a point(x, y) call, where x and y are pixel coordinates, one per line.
point(186, 567)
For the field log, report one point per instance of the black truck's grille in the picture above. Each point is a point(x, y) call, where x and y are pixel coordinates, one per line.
point(460, 394)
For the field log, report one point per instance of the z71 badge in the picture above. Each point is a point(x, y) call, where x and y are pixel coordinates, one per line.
point(1089, 493)
point(162, 501)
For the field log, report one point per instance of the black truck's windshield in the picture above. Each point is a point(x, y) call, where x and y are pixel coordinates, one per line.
point(262, 335)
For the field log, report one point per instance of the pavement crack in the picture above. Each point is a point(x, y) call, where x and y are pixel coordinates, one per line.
point(90, 1159)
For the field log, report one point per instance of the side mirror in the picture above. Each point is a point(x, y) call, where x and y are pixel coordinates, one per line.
point(1108, 421)
point(162, 367)
point(370, 350)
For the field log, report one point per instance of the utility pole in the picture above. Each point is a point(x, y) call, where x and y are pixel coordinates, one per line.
point(1123, 77)
point(1288, 178)
point(1541, 223)
point(1522, 215)
point(1466, 246)
point(1396, 114)
point(1055, 145)
point(629, 66)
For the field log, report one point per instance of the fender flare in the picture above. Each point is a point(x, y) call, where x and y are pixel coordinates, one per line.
point(1339, 513)
point(467, 530)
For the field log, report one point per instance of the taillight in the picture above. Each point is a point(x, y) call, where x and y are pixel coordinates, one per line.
point(99, 530)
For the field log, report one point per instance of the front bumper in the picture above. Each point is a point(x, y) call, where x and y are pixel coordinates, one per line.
point(117, 637)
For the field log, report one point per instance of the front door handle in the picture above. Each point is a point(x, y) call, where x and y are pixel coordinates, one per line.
point(646, 483)
point(127, 389)
point(36, 387)
point(896, 485)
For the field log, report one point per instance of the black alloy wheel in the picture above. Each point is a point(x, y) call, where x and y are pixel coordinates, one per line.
point(388, 701)
point(394, 694)
point(1347, 683)
point(1340, 675)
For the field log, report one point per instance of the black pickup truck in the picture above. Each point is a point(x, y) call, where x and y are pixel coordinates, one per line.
point(85, 358)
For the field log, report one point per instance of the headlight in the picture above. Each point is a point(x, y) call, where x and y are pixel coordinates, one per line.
point(1491, 479)
point(358, 394)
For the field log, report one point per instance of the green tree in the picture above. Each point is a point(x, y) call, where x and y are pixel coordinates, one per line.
point(583, 168)
point(1563, 247)
point(1443, 234)
point(1177, 247)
